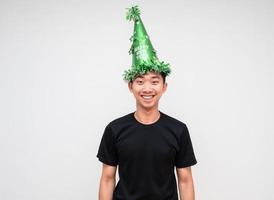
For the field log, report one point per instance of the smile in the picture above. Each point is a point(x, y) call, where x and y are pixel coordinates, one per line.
point(147, 96)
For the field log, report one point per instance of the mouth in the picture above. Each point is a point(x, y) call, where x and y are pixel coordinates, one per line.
point(147, 97)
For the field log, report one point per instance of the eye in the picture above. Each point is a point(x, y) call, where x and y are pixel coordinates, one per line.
point(155, 82)
point(139, 82)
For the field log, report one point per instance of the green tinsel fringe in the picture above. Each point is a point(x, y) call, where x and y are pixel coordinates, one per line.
point(133, 13)
point(159, 67)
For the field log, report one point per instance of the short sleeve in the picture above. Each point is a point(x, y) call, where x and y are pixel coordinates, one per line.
point(107, 152)
point(185, 157)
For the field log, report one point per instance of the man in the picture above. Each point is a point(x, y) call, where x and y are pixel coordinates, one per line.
point(146, 145)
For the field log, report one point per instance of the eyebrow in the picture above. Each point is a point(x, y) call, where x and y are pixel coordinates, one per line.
point(153, 77)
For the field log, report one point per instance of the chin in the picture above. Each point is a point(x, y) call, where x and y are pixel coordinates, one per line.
point(147, 105)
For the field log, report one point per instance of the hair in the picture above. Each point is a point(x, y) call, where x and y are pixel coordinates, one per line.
point(163, 76)
point(161, 73)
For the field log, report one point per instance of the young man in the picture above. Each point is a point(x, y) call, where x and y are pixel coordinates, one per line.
point(146, 145)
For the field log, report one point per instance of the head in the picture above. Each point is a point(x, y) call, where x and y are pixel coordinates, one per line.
point(148, 89)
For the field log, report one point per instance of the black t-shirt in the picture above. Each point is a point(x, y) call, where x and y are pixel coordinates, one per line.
point(146, 156)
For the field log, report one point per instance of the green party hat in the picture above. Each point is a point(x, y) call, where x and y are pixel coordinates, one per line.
point(144, 58)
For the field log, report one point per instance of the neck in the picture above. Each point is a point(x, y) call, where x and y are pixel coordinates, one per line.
point(147, 116)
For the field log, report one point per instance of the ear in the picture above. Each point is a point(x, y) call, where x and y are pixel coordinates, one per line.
point(129, 86)
point(164, 87)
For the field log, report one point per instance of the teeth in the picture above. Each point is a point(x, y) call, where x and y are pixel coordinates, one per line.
point(147, 97)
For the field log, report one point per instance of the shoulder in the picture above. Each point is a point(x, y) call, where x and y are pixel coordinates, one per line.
point(177, 127)
point(122, 119)
point(174, 125)
point(168, 120)
point(121, 122)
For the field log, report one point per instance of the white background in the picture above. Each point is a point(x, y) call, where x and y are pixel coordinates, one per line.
point(61, 66)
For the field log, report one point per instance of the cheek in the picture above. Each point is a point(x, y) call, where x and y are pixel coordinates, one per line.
point(136, 88)
point(159, 89)
point(136, 91)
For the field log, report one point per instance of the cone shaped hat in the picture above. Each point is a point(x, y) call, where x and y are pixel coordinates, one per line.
point(144, 58)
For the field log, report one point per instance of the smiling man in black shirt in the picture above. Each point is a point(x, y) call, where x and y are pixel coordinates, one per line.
point(147, 144)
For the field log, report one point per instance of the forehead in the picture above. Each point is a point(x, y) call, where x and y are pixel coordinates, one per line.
point(150, 75)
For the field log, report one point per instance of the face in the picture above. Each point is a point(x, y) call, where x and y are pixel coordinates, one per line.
point(148, 89)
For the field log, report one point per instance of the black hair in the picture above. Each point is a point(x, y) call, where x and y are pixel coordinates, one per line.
point(163, 76)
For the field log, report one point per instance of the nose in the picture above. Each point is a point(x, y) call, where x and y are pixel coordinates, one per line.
point(147, 87)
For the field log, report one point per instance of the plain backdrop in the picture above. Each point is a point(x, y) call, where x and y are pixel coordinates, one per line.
point(61, 66)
